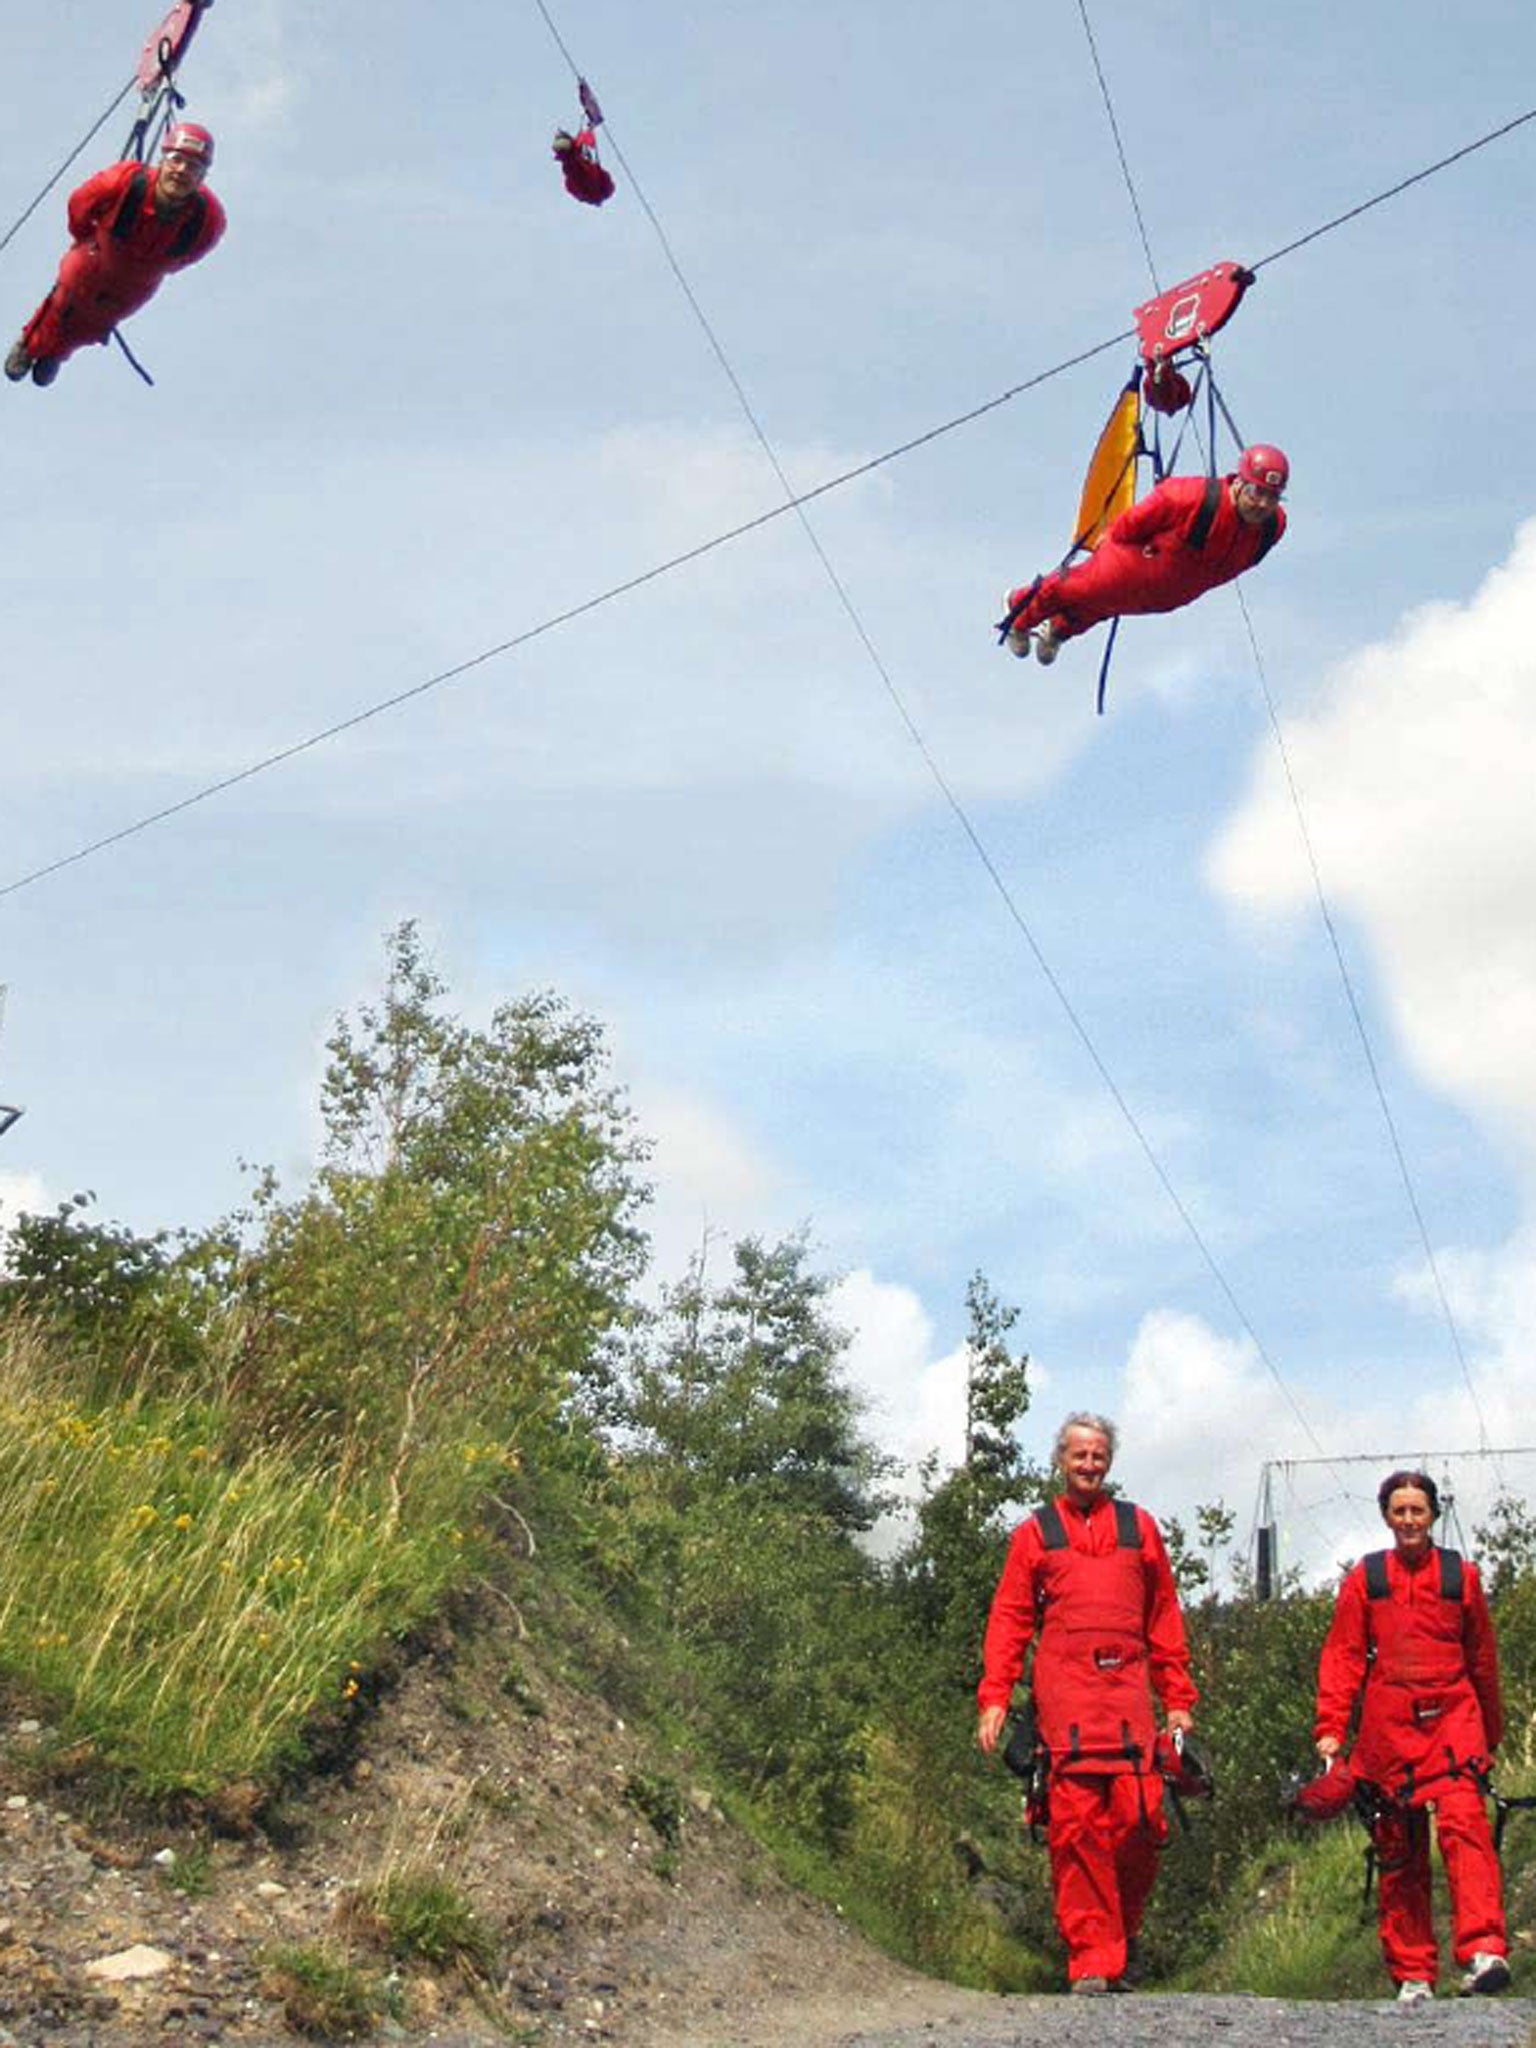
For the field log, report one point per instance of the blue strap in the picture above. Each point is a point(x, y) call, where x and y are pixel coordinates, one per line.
point(117, 336)
point(1109, 649)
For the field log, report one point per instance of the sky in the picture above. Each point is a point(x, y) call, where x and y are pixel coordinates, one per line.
point(419, 402)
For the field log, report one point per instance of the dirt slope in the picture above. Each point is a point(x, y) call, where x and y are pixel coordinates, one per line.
point(485, 1768)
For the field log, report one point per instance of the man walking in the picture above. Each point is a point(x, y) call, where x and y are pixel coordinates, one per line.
point(1088, 1582)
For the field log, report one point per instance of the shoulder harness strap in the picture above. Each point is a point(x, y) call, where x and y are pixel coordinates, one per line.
point(131, 205)
point(1200, 527)
point(1376, 1575)
point(126, 219)
point(1452, 1578)
point(1269, 534)
point(1127, 1528)
point(192, 227)
point(1052, 1529)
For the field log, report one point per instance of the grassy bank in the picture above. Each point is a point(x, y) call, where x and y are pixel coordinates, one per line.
point(186, 1601)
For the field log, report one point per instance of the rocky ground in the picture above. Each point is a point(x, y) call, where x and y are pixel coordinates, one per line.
point(622, 1904)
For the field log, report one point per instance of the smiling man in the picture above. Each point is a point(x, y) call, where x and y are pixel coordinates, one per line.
point(129, 227)
point(1187, 536)
point(1088, 1582)
point(1412, 1642)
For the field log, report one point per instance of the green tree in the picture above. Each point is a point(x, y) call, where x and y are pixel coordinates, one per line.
point(134, 1305)
point(1506, 1543)
point(471, 1238)
point(948, 1571)
point(749, 1478)
point(746, 1390)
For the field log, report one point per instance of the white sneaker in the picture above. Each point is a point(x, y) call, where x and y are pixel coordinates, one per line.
point(1414, 1991)
point(1047, 646)
point(1486, 1974)
point(1016, 640)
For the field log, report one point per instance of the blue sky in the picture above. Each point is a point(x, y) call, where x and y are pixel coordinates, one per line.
point(419, 401)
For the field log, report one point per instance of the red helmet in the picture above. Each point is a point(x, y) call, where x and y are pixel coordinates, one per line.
point(189, 138)
point(1265, 466)
point(1325, 1796)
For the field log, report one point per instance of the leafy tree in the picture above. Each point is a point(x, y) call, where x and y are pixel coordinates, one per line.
point(748, 1479)
point(472, 1236)
point(131, 1302)
point(948, 1571)
point(1506, 1544)
point(746, 1391)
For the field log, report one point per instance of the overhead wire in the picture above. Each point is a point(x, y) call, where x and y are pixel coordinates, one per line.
point(794, 502)
point(21, 220)
point(617, 590)
point(1114, 129)
point(946, 789)
point(1325, 910)
point(1356, 1012)
point(550, 624)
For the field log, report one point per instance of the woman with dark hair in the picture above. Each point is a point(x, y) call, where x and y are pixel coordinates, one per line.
point(1412, 1642)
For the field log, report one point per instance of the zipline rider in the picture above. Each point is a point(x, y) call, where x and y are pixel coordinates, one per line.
point(130, 226)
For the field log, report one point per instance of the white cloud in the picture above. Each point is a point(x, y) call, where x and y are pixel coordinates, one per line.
point(917, 1402)
point(1415, 772)
point(22, 1194)
point(709, 1178)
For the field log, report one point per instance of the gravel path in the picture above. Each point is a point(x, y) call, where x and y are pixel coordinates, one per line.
point(1203, 2022)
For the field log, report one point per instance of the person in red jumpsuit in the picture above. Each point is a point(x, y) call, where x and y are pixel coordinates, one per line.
point(585, 178)
point(1413, 1644)
point(1185, 537)
point(1088, 1582)
point(130, 226)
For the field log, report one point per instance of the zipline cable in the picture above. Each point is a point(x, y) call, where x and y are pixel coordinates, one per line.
point(549, 625)
point(1326, 912)
point(20, 222)
point(1415, 178)
point(1325, 909)
point(1146, 244)
point(1114, 129)
point(660, 569)
point(957, 809)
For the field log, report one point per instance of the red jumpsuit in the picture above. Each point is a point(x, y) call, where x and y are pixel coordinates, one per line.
point(1103, 1613)
point(1430, 1671)
point(585, 178)
point(105, 276)
point(1151, 560)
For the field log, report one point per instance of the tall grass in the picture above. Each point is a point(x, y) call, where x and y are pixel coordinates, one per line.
point(188, 1600)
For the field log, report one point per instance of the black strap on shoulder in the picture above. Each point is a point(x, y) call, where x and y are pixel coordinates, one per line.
point(1200, 526)
point(126, 219)
point(131, 205)
point(1127, 1528)
point(1452, 1576)
point(192, 227)
point(1267, 537)
point(1053, 1531)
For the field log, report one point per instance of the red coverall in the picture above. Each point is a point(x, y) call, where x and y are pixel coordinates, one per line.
point(1431, 1702)
point(1107, 1630)
point(103, 279)
point(585, 178)
point(1145, 562)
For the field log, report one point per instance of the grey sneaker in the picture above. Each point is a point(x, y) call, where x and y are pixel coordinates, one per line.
point(1414, 1991)
point(18, 362)
point(1486, 1974)
point(1047, 646)
point(1089, 1987)
point(45, 369)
